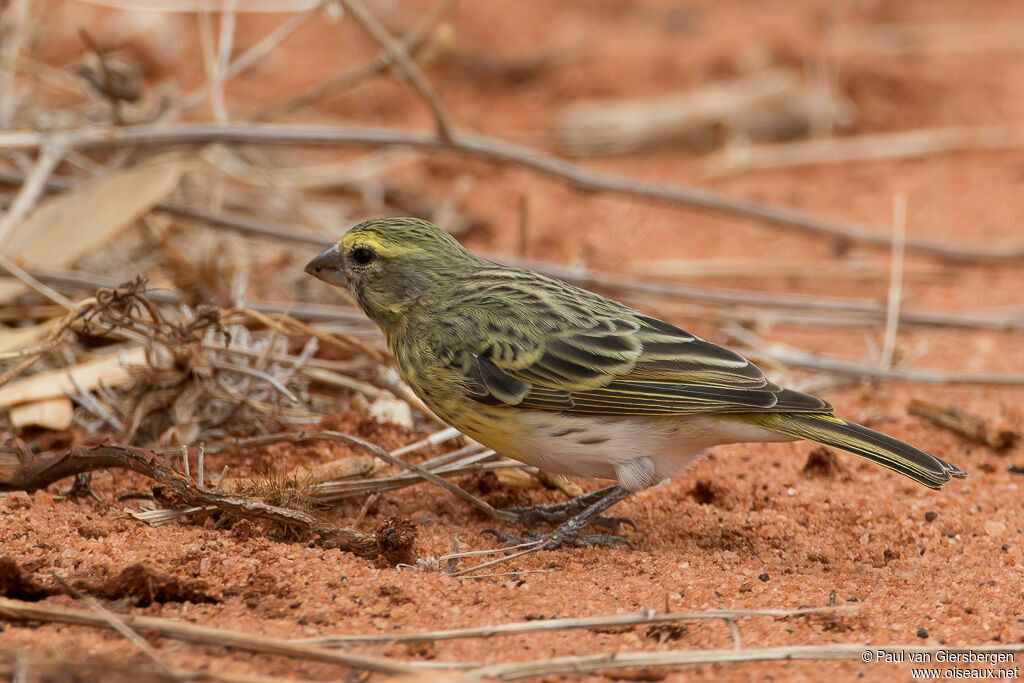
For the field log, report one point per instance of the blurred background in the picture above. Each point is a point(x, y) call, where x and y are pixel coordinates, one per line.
point(831, 187)
point(866, 153)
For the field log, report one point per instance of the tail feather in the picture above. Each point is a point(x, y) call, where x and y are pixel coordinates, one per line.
point(886, 451)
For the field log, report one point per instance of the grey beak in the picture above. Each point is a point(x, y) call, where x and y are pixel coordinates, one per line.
point(328, 267)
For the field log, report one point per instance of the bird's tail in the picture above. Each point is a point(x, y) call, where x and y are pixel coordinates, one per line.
point(886, 451)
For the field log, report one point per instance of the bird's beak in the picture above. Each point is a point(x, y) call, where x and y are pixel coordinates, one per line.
point(328, 267)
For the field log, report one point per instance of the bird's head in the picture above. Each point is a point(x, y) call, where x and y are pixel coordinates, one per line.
point(391, 265)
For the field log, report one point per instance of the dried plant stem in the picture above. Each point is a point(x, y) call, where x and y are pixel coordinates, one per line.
point(52, 341)
point(201, 635)
point(47, 666)
point(281, 323)
point(734, 297)
point(336, 490)
point(347, 79)
point(248, 58)
point(901, 145)
point(296, 310)
point(989, 432)
point(31, 189)
point(333, 491)
point(35, 472)
point(619, 660)
point(20, 273)
point(796, 358)
point(337, 366)
point(524, 549)
point(647, 616)
point(422, 472)
point(258, 374)
point(118, 624)
point(14, 33)
point(834, 311)
point(396, 51)
point(579, 276)
point(304, 437)
point(895, 299)
point(504, 152)
point(224, 45)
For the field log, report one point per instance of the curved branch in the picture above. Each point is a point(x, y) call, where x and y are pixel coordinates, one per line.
point(32, 472)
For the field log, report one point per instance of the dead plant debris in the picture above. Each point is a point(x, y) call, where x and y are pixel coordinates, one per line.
point(821, 462)
point(153, 301)
point(992, 432)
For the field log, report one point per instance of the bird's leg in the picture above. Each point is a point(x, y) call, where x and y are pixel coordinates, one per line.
point(559, 512)
point(568, 532)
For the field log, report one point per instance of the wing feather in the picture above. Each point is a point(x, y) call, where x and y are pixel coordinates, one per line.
point(603, 358)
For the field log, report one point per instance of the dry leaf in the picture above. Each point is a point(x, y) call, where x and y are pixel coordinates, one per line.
point(64, 228)
point(111, 369)
point(54, 413)
point(17, 338)
point(515, 478)
point(393, 410)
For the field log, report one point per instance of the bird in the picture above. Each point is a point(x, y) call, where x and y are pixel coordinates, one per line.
point(572, 382)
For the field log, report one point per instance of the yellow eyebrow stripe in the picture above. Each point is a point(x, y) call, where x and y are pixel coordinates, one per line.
point(386, 248)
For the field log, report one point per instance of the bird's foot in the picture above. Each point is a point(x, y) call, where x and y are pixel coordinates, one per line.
point(557, 513)
point(560, 512)
point(562, 536)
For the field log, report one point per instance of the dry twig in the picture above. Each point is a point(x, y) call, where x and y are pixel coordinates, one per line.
point(902, 145)
point(347, 79)
point(801, 359)
point(417, 470)
point(986, 432)
point(202, 635)
point(48, 666)
point(859, 309)
point(15, 31)
point(118, 624)
point(20, 273)
point(618, 660)
point(250, 57)
point(647, 616)
point(508, 153)
point(895, 298)
point(34, 472)
point(53, 339)
point(31, 189)
point(396, 51)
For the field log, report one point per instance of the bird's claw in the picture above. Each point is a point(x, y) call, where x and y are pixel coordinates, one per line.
point(556, 514)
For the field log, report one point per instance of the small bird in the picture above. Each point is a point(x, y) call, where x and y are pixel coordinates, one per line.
point(570, 381)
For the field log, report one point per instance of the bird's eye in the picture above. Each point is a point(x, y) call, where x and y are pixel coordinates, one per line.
point(362, 255)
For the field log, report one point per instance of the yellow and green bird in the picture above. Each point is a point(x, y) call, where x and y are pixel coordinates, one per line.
point(570, 381)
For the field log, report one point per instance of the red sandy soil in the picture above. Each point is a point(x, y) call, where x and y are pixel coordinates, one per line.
point(857, 532)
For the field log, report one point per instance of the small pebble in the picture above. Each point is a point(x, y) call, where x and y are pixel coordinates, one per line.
point(853, 598)
point(922, 633)
point(764, 577)
point(1005, 547)
point(931, 516)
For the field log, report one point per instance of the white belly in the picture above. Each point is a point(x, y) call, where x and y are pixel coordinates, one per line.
point(637, 452)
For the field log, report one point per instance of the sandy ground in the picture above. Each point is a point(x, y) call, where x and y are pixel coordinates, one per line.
point(752, 526)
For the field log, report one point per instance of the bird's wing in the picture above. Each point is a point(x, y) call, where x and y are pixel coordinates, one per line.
point(616, 362)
